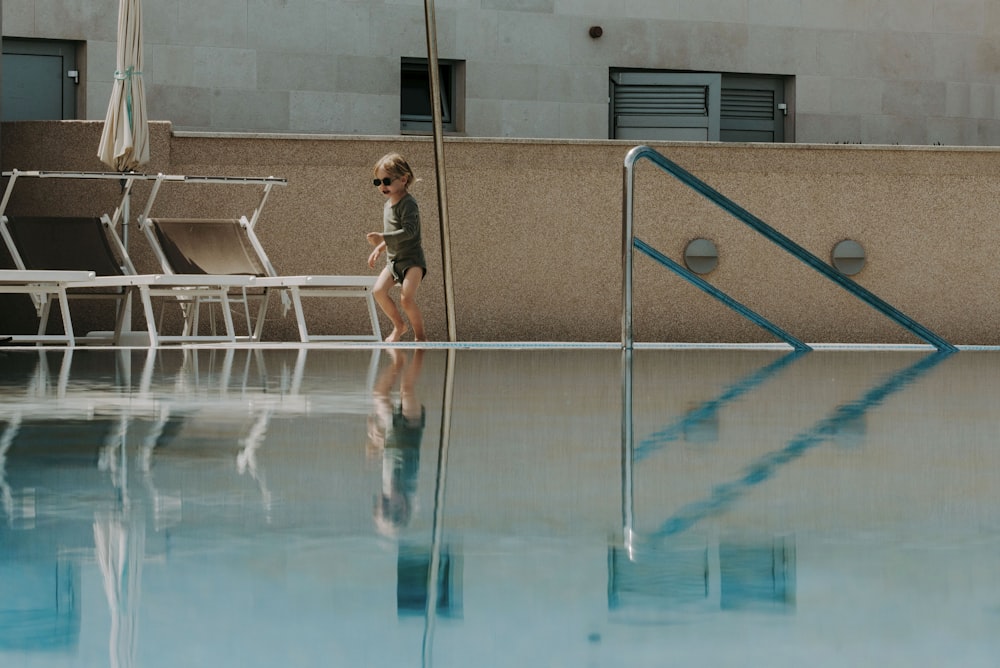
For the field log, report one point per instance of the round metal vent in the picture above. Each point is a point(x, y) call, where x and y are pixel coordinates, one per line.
point(701, 256)
point(848, 257)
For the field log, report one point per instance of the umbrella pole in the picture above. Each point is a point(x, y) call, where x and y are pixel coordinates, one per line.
point(442, 190)
point(127, 304)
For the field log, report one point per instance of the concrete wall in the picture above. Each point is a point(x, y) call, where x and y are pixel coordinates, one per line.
point(871, 71)
point(536, 228)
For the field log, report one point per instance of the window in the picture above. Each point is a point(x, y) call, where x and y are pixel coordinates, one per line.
point(697, 106)
point(415, 114)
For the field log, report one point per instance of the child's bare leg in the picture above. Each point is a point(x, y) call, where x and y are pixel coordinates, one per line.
point(408, 385)
point(382, 298)
point(408, 300)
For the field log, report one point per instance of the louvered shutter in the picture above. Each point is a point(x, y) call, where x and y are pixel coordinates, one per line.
point(665, 106)
point(749, 109)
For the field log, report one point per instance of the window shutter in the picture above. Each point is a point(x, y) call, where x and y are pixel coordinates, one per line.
point(665, 106)
point(745, 103)
point(659, 100)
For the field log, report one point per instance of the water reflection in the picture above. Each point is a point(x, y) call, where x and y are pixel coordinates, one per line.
point(843, 416)
point(366, 507)
point(395, 433)
point(40, 610)
point(700, 423)
point(659, 570)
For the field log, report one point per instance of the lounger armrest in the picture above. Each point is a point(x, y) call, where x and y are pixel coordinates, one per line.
point(18, 276)
point(318, 281)
point(202, 280)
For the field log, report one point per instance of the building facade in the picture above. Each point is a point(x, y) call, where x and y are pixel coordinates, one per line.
point(808, 71)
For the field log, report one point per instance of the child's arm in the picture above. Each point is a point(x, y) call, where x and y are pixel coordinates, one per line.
point(379, 249)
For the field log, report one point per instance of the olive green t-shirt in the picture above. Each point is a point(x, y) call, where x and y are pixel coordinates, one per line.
point(401, 229)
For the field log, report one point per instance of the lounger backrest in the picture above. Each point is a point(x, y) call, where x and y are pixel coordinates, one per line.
point(204, 246)
point(78, 244)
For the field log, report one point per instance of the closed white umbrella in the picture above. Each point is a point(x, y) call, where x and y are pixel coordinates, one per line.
point(125, 140)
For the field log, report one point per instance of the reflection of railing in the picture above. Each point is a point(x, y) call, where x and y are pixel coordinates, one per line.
point(629, 242)
point(724, 495)
point(666, 569)
point(650, 576)
point(653, 442)
point(764, 467)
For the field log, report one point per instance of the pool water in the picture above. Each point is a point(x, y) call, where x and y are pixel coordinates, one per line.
point(525, 507)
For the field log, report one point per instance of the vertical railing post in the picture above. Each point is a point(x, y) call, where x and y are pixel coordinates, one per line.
point(628, 187)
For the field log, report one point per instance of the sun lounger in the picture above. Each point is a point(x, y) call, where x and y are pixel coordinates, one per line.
point(92, 245)
point(222, 246)
point(231, 245)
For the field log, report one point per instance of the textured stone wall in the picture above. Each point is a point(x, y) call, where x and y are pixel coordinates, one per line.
point(536, 228)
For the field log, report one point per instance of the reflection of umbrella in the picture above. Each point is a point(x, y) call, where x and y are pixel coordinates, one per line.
point(120, 544)
point(125, 140)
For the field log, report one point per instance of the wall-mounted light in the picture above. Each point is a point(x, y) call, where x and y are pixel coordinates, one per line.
point(848, 257)
point(701, 256)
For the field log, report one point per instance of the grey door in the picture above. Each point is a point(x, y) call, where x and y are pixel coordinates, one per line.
point(38, 81)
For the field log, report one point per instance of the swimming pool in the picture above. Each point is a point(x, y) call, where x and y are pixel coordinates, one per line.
point(532, 507)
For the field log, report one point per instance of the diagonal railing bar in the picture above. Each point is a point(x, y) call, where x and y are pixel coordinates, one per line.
point(671, 432)
point(710, 289)
point(759, 226)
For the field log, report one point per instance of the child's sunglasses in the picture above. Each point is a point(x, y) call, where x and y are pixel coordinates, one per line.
point(386, 181)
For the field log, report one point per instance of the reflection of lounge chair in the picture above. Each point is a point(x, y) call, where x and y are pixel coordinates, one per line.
point(230, 246)
point(91, 244)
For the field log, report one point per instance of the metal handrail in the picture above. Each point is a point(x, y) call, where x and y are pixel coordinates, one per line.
point(629, 242)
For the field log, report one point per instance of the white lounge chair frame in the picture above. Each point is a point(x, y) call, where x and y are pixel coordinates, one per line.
point(191, 290)
point(44, 287)
point(295, 287)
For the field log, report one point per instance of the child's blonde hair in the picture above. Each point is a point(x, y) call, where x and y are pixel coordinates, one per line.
point(395, 165)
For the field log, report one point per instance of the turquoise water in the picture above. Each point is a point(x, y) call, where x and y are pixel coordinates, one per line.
point(538, 507)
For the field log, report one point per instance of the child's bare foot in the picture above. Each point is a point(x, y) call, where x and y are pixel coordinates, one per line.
point(397, 334)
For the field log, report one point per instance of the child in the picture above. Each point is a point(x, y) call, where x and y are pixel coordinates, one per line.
point(400, 240)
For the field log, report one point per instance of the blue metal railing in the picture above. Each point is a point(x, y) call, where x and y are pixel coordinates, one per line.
point(710, 289)
point(629, 242)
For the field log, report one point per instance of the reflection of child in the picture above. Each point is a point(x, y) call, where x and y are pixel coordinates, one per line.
point(400, 241)
point(397, 431)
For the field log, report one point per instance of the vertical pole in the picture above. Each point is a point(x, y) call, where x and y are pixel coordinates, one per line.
point(126, 327)
point(442, 190)
point(628, 186)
